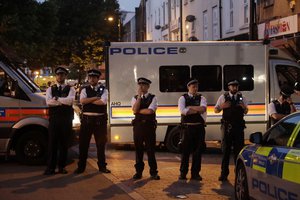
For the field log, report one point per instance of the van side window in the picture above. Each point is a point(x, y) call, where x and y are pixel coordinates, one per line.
point(287, 75)
point(242, 73)
point(209, 77)
point(5, 84)
point(173, 78)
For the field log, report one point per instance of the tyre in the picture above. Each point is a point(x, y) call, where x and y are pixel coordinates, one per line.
point(241, 185)
point(172, 139)
point(31, 148)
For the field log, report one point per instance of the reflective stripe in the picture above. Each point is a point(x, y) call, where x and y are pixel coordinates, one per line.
point(291, 166)
point(260, 160)
point(293, 136)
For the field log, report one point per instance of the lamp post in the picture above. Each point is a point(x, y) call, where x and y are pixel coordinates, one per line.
point(111, 19)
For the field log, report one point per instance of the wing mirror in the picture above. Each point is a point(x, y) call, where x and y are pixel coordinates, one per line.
point(256, 138)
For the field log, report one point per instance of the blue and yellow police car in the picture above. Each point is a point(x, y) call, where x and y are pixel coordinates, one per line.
point(270, 168)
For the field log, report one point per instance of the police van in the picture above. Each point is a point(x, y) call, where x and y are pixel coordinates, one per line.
point(270, 168)
point(260, 70)
point(23, 115)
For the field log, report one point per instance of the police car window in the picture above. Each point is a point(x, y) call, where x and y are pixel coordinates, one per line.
point(287, 75)
point(297, 141)
point(243, 73)
point(5, 84)
point(209, 77)
point(173, 78)
point(280, 133)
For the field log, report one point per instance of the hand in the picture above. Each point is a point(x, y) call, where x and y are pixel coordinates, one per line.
point(139, 92)
point(226, 104)
point(289, 100)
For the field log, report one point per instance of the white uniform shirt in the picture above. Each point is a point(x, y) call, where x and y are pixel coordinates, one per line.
point(152, 106)
point(271, 109)
point(221, 100)
point(104, 96)
point(61, 100)
point(183, 109)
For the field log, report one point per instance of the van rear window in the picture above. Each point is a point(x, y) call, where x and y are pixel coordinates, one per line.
point(244, 74)
point(173, 78)
point(209, 77)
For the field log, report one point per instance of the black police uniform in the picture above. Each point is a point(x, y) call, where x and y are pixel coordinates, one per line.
point(283, 108)
point(93, 124)
point(60, 128)
point(233, 126)
point(193, 139)
point(144, 127)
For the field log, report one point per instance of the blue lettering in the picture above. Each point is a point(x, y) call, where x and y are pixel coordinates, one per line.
point(159, 50)
point(140, 52)
point(292, 196)
point(172, 50)
point(129, 51)
point(263, 187)
point(280, 190)
point(254, 183)
point(115, 51)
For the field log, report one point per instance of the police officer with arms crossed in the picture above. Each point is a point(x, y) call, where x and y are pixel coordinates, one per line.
point(282, 106)
point(234, 107)
point(144, 106)
point(94, 121)
point(59, 98)
point(192, 107)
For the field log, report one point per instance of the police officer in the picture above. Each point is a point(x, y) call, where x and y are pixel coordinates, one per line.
point(59, 98)
point(192, 107)
point(94, 121)
point(234, 107)
point(144, 106)
point(281, 107)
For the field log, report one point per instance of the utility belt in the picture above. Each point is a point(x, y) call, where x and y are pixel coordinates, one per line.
point(99, 117)
point(143, 121)
point(192, 124)
point(228, 125)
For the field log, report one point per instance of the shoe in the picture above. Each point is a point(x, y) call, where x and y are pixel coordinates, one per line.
point(137, 176)
point(155, 177)
point(182, 177)
point(49, 172)
point(104, 170)
point(62, 171)
point(223, 178)
point(79, 171)
point(196, 178)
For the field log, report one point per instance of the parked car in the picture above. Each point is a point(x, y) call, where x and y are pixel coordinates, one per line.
point(270, 168)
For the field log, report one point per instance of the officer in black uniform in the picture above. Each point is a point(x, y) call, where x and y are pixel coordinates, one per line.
point(59, 98)
point(282, 106)
point(234, 107)
point(144, 106)
point(94, 121)
point(192, 107)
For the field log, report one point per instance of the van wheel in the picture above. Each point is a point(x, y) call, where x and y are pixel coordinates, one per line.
point(173, 139)
point(241, 184)
point(31, 148)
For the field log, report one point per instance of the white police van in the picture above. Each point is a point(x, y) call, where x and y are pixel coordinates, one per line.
point(261, 71)
point(270, 168)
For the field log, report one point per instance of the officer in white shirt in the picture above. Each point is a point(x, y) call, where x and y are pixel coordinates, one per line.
point(59, 98)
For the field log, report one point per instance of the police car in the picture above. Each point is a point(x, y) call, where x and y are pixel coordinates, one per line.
point(270, 168)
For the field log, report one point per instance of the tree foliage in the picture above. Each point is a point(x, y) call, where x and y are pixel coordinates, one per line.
point(58, 32)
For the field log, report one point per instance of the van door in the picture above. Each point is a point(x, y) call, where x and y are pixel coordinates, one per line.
point(9, 107)
point(282, 73)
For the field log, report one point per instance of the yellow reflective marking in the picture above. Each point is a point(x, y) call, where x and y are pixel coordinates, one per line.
point(264, 151)
point(291, 166)
point(259, 168)
point(293, 136)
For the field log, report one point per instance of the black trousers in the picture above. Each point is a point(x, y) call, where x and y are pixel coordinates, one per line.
point(194, 143)
point(96, 125)
point(60, 129)
point(144, 133)
point(233, 136)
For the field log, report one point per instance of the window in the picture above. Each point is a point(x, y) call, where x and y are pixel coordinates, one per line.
point(209, 77)
point(246, 12)
point(173, 78)
point(268, 3)
point(215, 23)
point(231, 14)
point(279, 134)
point(244, 74)
point(287, 75)
point(205, 26)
